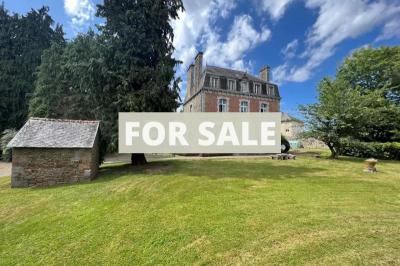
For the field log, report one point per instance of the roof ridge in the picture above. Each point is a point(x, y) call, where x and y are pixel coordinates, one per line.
point(230, 69)
point(64, 120)
point(241, 72)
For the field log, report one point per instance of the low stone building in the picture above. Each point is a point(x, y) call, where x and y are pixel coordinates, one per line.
point(50, 151)
point(291, 127)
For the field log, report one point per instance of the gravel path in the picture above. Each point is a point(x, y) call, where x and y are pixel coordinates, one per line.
point(5, 169)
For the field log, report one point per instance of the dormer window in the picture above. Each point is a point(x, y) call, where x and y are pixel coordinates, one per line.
point(231, 84)
point(257, 88)
point(244, 86)
point(214, 82)
point(270, 90)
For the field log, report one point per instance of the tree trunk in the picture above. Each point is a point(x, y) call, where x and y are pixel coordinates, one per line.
point(138, 159)
point(334, 154)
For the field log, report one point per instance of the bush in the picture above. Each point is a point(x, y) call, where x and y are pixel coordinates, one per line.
point(388, 150)
point(6, 137)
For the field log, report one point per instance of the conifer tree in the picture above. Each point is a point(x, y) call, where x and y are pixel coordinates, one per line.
point(138, 39)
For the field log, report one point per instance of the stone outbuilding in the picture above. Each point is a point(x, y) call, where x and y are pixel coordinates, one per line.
point(48, 152)
point(291, 127)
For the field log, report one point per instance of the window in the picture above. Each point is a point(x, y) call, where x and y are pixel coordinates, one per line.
point(244, 86)
point(264, 108)
point(231, 84)
point(214, 82)
point(244, 106)
point(270, 90)
point(190, 108)
point(222, 105)
point(257, 88)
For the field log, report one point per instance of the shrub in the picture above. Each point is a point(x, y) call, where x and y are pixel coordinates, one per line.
point(6, 137)
point(388, 150)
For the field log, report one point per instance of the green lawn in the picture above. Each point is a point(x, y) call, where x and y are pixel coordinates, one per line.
point(209, 211)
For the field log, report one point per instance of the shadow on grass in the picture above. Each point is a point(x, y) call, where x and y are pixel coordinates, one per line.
point(214, 169)
point(110, 172)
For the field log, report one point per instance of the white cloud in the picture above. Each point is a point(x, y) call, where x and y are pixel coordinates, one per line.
point(337, 21)
point(196, 29)
point(195, 26)
point(390, 30)
point(241, 38)
point(80, 11)
point(290, 50)
point(276, 8)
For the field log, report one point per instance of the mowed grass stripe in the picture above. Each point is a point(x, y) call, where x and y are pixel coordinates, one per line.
point(210, 211)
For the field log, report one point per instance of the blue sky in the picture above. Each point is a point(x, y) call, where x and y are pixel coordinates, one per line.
point(302, 40)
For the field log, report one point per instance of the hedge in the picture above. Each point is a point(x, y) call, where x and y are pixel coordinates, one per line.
point(388, 150)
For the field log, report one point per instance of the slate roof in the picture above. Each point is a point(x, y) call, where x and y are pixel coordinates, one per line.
point(288, 118)
point(230, 73)
point(55, 133)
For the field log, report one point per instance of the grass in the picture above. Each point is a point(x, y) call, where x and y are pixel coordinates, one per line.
point(211, 211)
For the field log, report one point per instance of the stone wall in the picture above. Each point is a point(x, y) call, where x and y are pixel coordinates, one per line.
point(39, 167)
point(292, 130)
point(195, 102)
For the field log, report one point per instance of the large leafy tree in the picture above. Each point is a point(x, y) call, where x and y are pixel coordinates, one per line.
point(335, 115)
point(22, 42)
point(140, 67)
point(361, 103)
point(374, 69)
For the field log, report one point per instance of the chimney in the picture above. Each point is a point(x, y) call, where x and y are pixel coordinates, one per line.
point(189, 81)
point(198, 65)
point(265, 73)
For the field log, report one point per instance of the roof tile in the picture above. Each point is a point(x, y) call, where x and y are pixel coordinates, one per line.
point(56, 133)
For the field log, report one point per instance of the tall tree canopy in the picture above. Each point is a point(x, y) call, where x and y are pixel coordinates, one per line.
point(361, 103)
point(71, 84)
point(138, 39)
point(22, 42)
point(374, 69)
point(127, 67)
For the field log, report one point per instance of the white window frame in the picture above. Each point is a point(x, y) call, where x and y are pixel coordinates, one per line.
point(240, 106)
point(254, 88)
point(270, 90)
point(216, 84)
point(261, 104)
point(234, 85)
point(241, 86)
point(226, 106)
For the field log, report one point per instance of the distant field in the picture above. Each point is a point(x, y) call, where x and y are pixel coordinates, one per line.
point(209, 211)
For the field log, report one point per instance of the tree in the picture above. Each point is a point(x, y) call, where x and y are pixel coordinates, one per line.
point(5, 138)
point(69, 81)
point(138, 39)
point(70, 84)
point(346, 112)
point(22, 42)
point(374, 69)
point(334, 116)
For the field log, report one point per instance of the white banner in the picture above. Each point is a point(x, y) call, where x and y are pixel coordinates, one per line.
point(199, 132)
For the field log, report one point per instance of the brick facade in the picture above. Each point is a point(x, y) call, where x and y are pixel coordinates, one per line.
point(211, 102)
point(205, 88)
